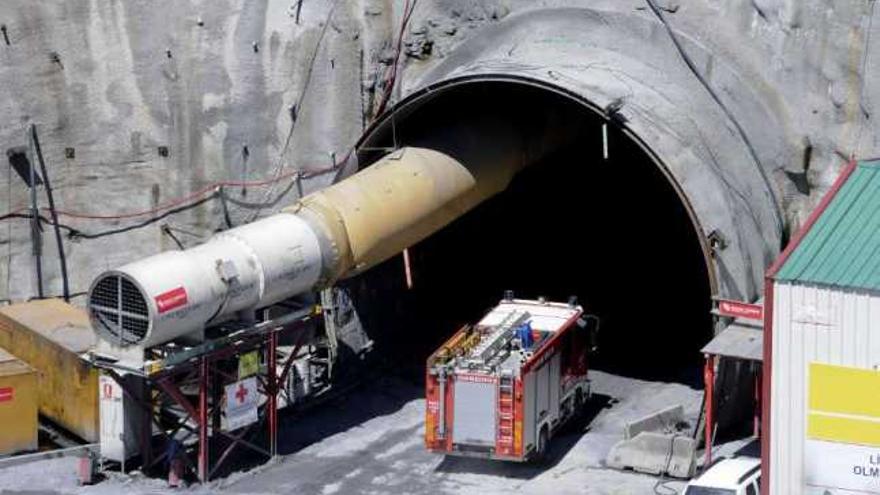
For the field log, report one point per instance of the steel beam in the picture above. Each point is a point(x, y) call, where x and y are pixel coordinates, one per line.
point(203, 420)
point(272, 404)
point(709, 378)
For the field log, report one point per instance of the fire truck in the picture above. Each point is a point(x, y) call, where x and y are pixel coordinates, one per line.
point(501, 388)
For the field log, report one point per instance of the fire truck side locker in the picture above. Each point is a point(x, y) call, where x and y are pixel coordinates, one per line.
point(541, 399)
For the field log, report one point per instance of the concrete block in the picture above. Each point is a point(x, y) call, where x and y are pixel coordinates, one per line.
point(655, 453)
point(662, 421)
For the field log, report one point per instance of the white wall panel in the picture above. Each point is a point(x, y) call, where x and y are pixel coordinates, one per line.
point(812, 324)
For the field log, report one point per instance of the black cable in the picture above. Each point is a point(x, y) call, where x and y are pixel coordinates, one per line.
point(864, 73)
point(661, 481)
point(38, 298)
point(220, 193)
point(27, 216)
point(65, 282)
point(268, 204)
point(226, 218)
point(77, 234)
point(742, 133)
point(36, 227)
point(167, 231)
point(297, 107)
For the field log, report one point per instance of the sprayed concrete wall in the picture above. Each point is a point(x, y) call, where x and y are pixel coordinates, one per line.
point(116, 80)
point(213, 82)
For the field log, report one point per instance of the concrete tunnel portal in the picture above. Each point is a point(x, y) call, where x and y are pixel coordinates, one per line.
point(618, 233)
point(581, 170)
point(685, 208)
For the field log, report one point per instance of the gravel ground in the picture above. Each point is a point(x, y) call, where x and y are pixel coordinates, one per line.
point(370, 442)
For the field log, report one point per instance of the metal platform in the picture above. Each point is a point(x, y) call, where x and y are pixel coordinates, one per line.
point(181, 392)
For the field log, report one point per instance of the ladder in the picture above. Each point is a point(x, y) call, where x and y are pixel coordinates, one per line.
point(500, 335)
point(505, 410)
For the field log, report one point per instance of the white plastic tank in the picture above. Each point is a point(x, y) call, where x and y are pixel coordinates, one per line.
point(176, 293)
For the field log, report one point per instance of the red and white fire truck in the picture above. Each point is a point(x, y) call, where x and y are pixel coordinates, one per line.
point(501, 388)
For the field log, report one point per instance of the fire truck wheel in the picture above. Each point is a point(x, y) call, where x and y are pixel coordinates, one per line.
point(578, 401)
point(541, 450)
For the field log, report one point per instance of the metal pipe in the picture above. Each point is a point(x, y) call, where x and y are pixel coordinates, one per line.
point(402, 199)
point(272, 390)
point(203, 420)
point(756, 420)
point(328, 235)
point(36, 238)
point(65, 282)
point(441, 411)
point(407, 269)
point(146, 426)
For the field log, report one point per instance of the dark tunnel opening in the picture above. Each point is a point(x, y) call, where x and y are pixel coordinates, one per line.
point(612, 232)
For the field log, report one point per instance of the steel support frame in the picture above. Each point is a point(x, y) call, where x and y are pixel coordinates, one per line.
point(709, 376)
point(757, 412)
point(272, 403)
point(201, 369)
point(203, 420)
point(146, 407)
point(709, 429)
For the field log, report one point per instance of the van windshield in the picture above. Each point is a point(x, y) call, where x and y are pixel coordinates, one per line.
point(707, 490)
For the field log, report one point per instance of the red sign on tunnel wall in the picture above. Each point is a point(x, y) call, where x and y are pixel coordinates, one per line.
point(739, 309)
point(6, 394)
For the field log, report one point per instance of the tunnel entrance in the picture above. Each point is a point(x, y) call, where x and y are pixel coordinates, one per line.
point(614, 233)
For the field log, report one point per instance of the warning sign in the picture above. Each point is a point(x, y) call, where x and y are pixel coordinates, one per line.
point(739, 309)
point(6, 394)
point(248, 364)
point(836, 465)
point(172, 299)
point(241, 403)
point(842, 448)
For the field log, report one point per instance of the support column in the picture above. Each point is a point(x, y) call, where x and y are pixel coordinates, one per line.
point(709, 378)
point(146, 432)
point(216, 398)
point(203, 420)
point(272, 403)
point(758, 379)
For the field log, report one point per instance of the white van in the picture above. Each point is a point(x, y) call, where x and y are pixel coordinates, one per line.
point(738, 476)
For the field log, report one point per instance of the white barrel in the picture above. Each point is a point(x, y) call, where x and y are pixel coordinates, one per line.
point(175, 293)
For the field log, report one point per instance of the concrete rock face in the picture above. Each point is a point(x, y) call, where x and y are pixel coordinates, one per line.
point(247, 91)
point(216, 84)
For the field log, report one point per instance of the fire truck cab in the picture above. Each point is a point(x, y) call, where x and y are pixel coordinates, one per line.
point(501, 388)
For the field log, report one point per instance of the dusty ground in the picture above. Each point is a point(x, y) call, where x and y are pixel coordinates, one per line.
point(370, 442)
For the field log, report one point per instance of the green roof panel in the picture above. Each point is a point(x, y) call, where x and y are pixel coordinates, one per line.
point(842, 249)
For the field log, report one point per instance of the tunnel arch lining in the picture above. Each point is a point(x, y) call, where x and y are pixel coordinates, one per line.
point(625, 62)
point(416, 99)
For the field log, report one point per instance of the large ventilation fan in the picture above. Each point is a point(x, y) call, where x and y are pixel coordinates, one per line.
point(118, 309)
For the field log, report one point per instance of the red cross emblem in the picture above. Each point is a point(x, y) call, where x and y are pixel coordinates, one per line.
point(241, 393)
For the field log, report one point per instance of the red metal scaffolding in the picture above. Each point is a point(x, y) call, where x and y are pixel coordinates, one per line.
point(167, 388)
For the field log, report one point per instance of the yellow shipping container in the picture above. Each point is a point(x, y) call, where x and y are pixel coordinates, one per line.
point(18, 405)
point(50, 335)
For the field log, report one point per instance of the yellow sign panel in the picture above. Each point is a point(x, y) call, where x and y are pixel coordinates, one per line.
point(248, 364)
point(844, 405)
